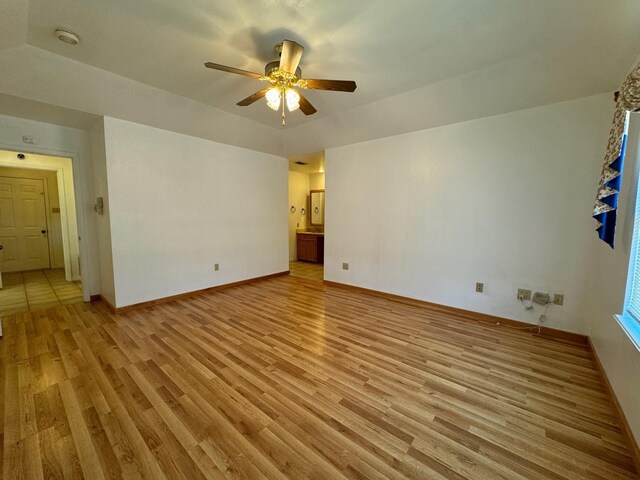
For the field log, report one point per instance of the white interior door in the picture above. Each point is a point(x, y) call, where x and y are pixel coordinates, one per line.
point(23, 225)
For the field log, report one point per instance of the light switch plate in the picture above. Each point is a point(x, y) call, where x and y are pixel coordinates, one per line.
point(345, 266)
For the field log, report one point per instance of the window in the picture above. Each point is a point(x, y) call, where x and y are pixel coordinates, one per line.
point(630, 318)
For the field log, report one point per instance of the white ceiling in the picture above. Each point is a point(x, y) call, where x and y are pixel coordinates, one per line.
point(538, 52)
point(314, 163)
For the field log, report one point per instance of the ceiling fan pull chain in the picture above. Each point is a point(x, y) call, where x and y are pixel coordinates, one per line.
point(282, 103)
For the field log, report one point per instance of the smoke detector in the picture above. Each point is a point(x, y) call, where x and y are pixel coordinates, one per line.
point(67, 37)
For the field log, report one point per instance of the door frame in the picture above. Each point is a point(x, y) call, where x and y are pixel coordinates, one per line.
point(77, 171)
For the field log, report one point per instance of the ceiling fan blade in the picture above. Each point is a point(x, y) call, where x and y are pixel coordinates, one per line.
point(238, 71)
point(254, 98)
point(335, 85)
point(290, 56)
point(305, 106)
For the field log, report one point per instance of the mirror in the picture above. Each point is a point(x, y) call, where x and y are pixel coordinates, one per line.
point(317, 207)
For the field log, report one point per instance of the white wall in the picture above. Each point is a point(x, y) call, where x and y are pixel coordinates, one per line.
point(608, 279)
point(102, 222)
point(72, 143)
point(298, 198)
point(180, 204)
point(316, 181)
point(503, 200)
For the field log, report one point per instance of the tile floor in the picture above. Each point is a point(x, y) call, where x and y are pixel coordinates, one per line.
point(29, 291)
point(310, 271)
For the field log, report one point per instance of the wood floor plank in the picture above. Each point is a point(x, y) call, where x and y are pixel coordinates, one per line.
point(290, 379)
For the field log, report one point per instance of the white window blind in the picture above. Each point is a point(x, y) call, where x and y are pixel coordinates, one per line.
point(633, 288)
point(632, 297)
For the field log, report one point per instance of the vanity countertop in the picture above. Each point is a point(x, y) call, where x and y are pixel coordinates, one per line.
point(303, 232)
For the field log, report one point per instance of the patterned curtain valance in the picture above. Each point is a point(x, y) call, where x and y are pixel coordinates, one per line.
point(605, 209)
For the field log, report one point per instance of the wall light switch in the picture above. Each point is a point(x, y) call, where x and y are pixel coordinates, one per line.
point(216, 267)
point(558, 299)
point(345, 266)
point(99, 206)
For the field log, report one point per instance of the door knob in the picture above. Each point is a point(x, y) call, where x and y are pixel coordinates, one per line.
point(1, 247)
point(43, 231)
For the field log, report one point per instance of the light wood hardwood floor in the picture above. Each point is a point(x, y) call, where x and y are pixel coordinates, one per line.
point(288, 378)
point(310, 271)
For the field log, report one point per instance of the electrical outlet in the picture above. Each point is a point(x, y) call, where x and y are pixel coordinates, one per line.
point(216, 267)
point(479, 287)
point(558, 299)
point(345, 266)
point(523, 294)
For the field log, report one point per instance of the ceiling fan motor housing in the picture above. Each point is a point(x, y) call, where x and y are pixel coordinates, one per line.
point(271, 66)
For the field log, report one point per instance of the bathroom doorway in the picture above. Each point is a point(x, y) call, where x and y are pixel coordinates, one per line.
point(39, 248)
point(306, 216)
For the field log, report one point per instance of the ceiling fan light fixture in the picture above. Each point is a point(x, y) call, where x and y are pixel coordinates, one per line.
point(285, 77)
point(293, 99)
point(273, 98)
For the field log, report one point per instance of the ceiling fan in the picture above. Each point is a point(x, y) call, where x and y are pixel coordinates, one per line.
point(284, 78)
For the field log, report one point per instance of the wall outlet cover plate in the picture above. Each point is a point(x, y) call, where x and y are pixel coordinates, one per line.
point(523, 294)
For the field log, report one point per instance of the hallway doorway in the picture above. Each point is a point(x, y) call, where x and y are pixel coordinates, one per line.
point(306, 216)
point(39, 242)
